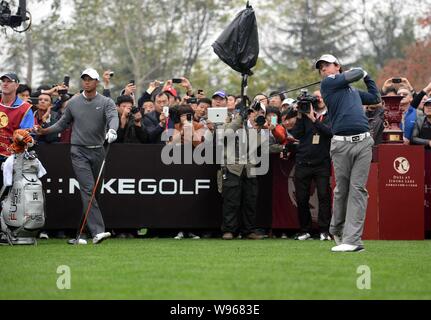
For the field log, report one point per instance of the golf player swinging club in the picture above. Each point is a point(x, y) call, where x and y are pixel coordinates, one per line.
point(90, 114)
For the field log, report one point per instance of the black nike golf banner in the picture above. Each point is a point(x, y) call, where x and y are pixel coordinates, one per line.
point(139, 190)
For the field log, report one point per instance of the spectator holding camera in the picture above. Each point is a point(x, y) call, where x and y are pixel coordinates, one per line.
point(45, 117)
point(278, 138)
point(147, 95)
point(421, 97)
point(131, 129)
point(157, 122)
point(262, 98)
point(107, 75)
point(392, 85)
point(351, 148)
point(313, 163)
point(409, 110)
point(256, 116)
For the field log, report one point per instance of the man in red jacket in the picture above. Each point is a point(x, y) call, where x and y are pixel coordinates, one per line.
point(14, 114)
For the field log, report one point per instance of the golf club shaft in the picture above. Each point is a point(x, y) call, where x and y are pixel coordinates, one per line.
point(292, 90)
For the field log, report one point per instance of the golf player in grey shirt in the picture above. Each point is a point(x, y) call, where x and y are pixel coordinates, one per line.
point(90, 114)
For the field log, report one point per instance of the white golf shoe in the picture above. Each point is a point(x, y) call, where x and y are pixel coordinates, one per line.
point(98, 238)
point(347, 248)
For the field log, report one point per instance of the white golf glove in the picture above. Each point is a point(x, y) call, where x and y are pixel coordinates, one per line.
point(111, 136)
point(365, 72)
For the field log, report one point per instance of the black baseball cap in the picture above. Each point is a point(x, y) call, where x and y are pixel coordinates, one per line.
point(11, 76)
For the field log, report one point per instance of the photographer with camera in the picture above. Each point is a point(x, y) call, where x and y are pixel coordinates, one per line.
point(351, 148)
point(131, 129)
point(239, 185)
point(257, 116)
point(313, 163)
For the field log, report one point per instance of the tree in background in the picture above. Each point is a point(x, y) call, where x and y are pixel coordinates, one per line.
point(415, 67)
point(387, 30)
point(146, 40)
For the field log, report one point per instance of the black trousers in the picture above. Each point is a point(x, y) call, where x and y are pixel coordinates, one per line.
point(239, 203)
point(304, 175)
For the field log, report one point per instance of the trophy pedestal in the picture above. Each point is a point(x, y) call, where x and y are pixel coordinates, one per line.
point(393, 136)
point(396, 194)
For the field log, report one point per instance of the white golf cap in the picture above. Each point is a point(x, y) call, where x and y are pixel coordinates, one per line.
point(327, 58)
point(91, 73)
point(288, 101)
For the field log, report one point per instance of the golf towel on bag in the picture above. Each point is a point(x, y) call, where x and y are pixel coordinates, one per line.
point(23, 208)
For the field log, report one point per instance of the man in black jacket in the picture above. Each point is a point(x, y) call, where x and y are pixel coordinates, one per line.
point(131, 129)
point(156, 122)
point(313, 163)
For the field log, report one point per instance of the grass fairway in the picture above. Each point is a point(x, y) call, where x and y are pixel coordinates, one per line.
point(215, 269)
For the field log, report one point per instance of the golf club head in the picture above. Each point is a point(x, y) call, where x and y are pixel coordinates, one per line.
point(77, 241)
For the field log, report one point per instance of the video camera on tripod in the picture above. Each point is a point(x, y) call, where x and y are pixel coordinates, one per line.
point(14, 21)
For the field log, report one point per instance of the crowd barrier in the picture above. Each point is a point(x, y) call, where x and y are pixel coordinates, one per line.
point(140, 191)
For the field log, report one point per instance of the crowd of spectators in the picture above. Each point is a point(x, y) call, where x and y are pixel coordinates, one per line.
point(166, 110)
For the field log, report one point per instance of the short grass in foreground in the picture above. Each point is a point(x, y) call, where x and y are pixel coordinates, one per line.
point(215, 269)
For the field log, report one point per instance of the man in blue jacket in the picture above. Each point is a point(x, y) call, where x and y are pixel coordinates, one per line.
point(351, 148)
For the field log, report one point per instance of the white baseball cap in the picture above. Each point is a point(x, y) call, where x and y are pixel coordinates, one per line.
point(288, 101)
point(91, 73)
point(327, 58)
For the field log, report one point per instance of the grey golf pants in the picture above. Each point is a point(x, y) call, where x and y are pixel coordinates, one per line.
point(86, 165)
point(351, 162)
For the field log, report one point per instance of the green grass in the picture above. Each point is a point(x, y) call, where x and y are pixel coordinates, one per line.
point(215, 269)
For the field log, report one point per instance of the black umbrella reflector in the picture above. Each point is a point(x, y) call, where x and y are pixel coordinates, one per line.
point(238, 45)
